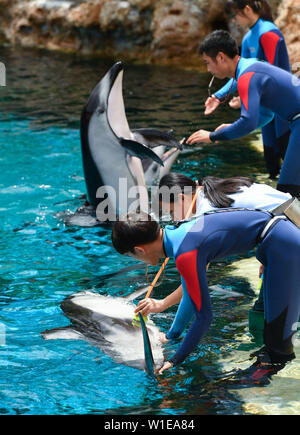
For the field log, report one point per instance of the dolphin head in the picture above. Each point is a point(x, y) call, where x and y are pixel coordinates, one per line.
point(106, 322)
point(112, 153)
point(105, 160)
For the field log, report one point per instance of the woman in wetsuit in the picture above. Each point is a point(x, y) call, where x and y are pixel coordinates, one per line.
point(214, 193)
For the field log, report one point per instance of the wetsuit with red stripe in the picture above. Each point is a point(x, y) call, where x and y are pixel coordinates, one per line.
point(263, 85)
point(265, 41)
point(223, 233)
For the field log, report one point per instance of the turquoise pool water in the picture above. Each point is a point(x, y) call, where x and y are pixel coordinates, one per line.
point(43, 260)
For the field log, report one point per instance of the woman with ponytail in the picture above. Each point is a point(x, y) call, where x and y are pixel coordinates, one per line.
point(213, 192)
point(263, 41)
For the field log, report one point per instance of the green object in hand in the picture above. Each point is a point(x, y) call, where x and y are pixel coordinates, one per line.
point(136, 320)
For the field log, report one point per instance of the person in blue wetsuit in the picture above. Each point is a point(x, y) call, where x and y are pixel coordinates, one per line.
point(212, 193)
point(212, 236)
point(263, 41)
point(260, 85)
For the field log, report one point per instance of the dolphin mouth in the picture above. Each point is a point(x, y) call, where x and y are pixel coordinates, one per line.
point(114, 73)
point(115, 112)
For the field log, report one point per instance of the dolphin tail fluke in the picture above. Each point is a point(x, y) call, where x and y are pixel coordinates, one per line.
point(149, 361)
point(136, 149)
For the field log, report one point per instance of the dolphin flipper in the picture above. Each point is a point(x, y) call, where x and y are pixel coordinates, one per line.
point(149, 361)
point(139, 150)
point(64, 333)
point(153, 138)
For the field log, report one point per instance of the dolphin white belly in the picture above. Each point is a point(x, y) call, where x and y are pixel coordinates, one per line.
point(106, 322)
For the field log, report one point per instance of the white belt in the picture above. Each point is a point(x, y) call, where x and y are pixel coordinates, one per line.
point(295, 117)
point(270, 225)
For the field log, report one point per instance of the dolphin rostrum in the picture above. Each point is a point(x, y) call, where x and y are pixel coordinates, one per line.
point(106, 322)
point(112, 152)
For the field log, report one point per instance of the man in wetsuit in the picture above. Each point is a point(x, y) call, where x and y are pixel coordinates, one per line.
point(212, 236)
point(263, 41)
point(260, 86)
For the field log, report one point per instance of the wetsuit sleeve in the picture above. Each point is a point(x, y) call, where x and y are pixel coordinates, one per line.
point(226, 90)
point(193, 272)
point(250, 86)
point(183, 316)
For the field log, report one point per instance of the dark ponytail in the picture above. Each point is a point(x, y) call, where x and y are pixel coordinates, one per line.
point(260, 7)
point(214, 189)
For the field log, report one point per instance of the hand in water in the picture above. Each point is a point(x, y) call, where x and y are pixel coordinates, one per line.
point(163, 338)
point(166, 366)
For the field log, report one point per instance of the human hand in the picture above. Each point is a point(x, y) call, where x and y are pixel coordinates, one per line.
point(149, 305)
point(235, 103)
point(211, 105)
point(261, 270)
point(222, 126)
point(163, 338)
point(199, 136)
point(166, 366)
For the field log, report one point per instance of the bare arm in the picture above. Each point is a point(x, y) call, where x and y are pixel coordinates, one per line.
point(149, 305)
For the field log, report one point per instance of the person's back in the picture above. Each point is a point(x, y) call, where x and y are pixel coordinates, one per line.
point(256, 196)
point(219, 233)
point(261, 84)
point(264, 41)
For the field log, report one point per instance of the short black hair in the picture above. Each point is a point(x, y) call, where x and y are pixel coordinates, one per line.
point(219, 40)
point(132, 230)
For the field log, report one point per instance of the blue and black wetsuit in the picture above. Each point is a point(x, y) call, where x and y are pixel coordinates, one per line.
point(222, 233)
point(263, 85)
point(264, 41)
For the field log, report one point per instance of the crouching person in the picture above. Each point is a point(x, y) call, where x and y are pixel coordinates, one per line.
point(212, 236)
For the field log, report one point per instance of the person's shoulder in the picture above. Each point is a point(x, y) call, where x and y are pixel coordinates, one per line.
point(266, 26)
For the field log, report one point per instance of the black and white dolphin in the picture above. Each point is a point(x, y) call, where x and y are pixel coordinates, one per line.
point(106, 322)
point(111, 151)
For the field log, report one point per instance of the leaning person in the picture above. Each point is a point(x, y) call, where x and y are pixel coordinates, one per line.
point(263, 41)
point(212, 193)
point(214, 236)
point(260, 85)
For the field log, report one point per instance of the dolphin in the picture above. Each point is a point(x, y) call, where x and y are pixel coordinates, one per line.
point(106, 322)
point(112, 152)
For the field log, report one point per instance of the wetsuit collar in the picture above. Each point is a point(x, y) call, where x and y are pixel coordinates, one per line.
point(167, 245)
point(255, 24)
point(238, 68)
